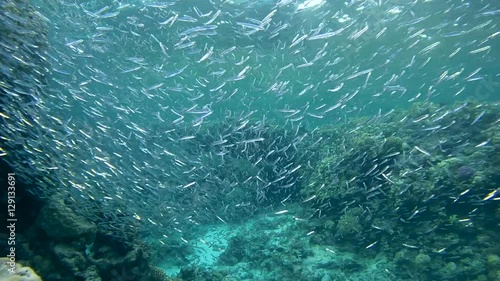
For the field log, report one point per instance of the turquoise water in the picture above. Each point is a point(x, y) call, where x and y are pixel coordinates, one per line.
point(268, 140)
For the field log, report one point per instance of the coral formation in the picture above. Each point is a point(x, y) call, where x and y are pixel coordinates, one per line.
point(157, 274)
point(61, 223)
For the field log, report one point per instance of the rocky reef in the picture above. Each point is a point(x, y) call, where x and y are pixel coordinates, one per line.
point(419, 192)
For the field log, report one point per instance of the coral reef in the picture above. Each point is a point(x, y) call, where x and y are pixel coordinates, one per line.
point(62, 245)
point(193, 273)
point(61, 223)
point(404, 188)
point(157, 274)
point(320, 193)
point(420, 216)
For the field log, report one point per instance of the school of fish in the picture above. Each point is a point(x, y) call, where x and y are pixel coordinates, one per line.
point(162, 115)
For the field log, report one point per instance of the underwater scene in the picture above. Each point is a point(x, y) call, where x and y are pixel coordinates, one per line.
point(243, 140)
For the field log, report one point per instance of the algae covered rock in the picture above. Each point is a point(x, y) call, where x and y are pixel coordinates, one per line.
point(16, 272)
point(493, 261)
point(350, 223)
point(422, 261)
point(72, 259)
point(60, 222)
point(448, 272)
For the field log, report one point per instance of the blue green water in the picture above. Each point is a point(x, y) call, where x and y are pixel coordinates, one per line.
point(265, 140)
